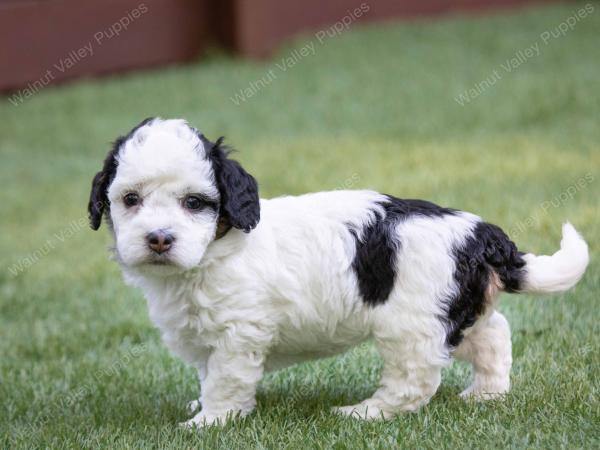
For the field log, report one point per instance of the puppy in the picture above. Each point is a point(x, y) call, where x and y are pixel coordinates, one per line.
point(239, 286)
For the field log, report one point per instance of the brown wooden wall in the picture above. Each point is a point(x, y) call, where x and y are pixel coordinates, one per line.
point(48, 41)
point(258, 26)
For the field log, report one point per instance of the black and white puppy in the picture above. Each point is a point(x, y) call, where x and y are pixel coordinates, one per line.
point(239, 286)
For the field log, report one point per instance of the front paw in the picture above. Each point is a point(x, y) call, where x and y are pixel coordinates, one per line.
point(361, 411)
point(203, 419)
point(193, 406)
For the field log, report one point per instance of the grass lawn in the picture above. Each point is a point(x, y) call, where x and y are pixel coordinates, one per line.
point(81, 365)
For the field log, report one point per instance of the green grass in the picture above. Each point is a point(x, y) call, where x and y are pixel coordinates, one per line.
point(82, 367)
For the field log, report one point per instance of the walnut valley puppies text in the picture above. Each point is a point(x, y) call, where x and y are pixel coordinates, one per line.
point(86, 50)
point(524, 55)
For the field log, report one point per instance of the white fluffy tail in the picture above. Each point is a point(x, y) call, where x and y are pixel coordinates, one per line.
point(560, 271)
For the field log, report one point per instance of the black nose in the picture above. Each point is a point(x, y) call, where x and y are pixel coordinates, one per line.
point(160, 241)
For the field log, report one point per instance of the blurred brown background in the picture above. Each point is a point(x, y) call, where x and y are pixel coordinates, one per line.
point(48, 41)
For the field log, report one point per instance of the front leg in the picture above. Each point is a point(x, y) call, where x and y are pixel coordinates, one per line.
point(195, 404)
point(229, 387)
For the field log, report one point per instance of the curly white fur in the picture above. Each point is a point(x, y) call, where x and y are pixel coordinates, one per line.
point(286, 292)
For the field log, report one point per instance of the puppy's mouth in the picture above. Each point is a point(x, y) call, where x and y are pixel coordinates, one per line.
point(159, 263)
point(158, 260)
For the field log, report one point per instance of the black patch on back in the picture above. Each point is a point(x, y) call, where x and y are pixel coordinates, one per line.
point(377, 249)
point(487, 249)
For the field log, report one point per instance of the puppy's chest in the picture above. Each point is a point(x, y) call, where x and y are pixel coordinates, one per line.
point(187, 318)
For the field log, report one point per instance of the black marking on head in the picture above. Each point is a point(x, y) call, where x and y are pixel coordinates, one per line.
point(240, 203)
point(98, 203)
point(487, 250)
point(377, 249)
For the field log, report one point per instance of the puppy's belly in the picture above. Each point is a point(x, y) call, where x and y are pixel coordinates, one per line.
point(296, 346)
point(277, 361)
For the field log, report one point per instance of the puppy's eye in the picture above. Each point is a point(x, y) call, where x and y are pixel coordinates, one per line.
point(193, 203)
point(131, 199)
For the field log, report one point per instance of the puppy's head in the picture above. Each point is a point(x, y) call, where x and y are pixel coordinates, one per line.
point(167, 192)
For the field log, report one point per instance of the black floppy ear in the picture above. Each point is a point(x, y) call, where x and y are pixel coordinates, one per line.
point(98, 200)
point(240, 205)
point(99, 203)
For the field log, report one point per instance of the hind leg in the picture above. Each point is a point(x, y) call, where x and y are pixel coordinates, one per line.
point(411, 376)
point(488, 348)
